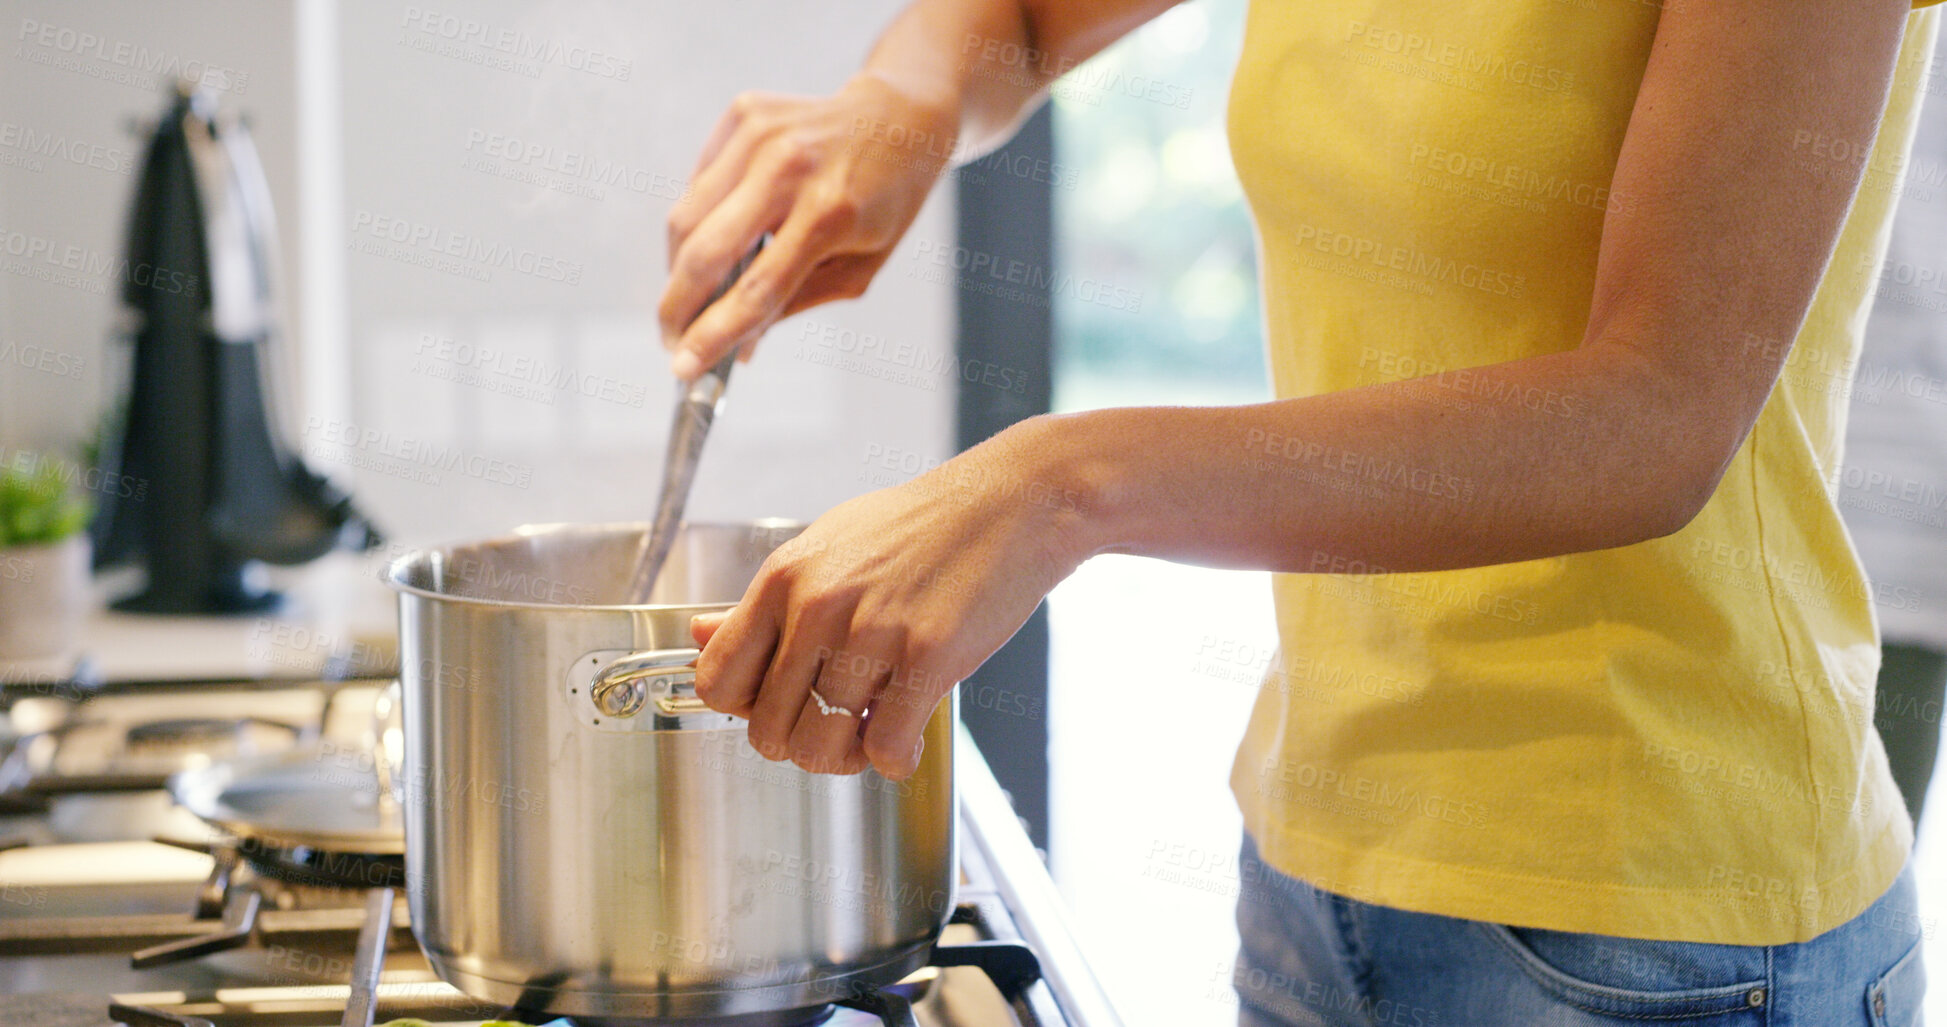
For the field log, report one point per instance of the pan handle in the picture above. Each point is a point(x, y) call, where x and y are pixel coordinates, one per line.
point(663, 678)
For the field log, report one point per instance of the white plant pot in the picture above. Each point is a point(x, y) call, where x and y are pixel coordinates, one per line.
point(43, 599)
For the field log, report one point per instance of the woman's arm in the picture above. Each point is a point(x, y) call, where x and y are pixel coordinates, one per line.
point(839, 179)
point(1620, 440)
point(892, 597)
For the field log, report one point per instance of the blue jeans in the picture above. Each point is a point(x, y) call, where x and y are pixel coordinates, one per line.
point(1316, 959)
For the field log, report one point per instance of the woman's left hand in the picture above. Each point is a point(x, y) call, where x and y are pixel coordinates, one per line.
point(884, 604)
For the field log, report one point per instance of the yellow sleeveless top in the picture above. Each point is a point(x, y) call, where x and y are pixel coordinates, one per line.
point(1670, 740)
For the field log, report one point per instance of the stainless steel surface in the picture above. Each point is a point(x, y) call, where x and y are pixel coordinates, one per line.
point(323, 796)
point(690, 427)
point(386, 740)
point(1021, 879)
point(368, 959)
point(663, 679)
point(93, 763)
point(138, 743)
point(687, 431)
point(640, 866)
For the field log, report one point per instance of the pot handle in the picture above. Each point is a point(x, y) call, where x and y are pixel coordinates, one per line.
point(664, 678)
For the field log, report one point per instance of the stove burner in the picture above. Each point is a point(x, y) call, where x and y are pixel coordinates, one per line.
point(888, 1008)
point(198, 733)
point(323, 868)
point(236, 905)
point(1012, 967)
point(85, 754)
point(302, 865)
point(816, 1017)
point(142, 1016)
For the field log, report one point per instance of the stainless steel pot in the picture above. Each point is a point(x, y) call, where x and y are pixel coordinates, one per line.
point(584, 837)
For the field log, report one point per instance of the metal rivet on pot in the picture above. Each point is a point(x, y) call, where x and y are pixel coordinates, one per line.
point(622, 700)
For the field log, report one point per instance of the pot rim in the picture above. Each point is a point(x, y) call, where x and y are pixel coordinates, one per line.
point(397, 569)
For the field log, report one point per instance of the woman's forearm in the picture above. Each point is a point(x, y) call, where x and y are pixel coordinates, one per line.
point(1537, 457)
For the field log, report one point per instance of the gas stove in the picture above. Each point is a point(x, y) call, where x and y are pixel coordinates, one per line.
point(116, 908)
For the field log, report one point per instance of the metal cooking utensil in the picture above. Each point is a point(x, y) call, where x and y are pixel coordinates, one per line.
point(695, 412)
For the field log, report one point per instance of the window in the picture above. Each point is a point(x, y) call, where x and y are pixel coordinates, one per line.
point(1153, 666)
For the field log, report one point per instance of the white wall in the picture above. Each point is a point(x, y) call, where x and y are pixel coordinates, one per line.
point(427, 441)
point(429, 126)
point(75, 79)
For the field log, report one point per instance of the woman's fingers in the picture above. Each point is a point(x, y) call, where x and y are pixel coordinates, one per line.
point(830, 695)
point(826, 739)
point(809, 626)
point(726, 157)
point(761, 294)
point(737, 649)
point(743, 109)
point(704, 626)
point(883, 604)
point(757, 205)
point(842, 276)
point(895, 731)
point(836, 199)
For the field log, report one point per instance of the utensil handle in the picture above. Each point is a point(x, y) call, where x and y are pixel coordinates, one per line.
point(707, 390)
point(696, 408)
point(708, 387)
point(624, 687)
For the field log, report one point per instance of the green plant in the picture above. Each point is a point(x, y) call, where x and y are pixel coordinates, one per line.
point(36, 507)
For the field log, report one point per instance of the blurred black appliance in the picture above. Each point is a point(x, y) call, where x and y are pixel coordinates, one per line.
point(222, 488)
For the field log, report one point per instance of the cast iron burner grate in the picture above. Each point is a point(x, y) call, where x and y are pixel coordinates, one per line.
point(235, 906)
point(323, 868)
point(1011, 966)
point(141, 1016)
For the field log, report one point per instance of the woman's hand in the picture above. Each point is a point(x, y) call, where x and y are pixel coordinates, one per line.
point(885, 603)
point(836, 180)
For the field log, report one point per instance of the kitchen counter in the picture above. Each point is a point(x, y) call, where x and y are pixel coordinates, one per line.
point(338, 619)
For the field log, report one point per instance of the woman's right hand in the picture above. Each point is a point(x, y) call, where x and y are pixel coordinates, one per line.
point(836, 181)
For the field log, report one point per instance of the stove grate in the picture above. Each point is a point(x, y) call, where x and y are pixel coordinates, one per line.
point(142, 1016)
